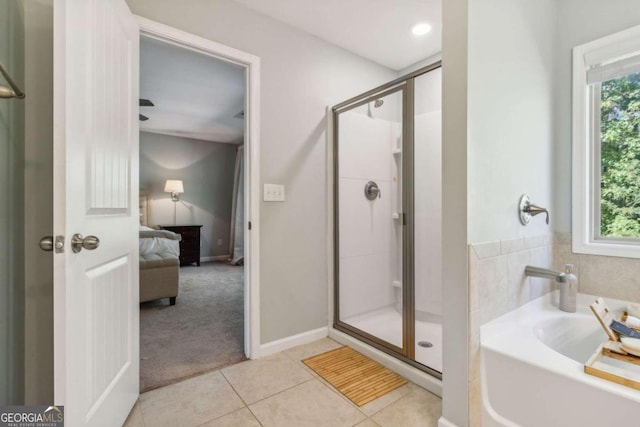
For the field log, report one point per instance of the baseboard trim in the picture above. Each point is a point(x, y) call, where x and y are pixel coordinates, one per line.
point(215, 258)
point(292, 341)
point(443, 422)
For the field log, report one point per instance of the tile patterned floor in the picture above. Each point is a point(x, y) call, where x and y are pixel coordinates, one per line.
point(278, 391)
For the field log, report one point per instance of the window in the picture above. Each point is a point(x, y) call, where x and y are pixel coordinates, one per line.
point(606, 145)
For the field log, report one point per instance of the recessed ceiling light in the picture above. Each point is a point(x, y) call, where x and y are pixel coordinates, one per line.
point(420, 29)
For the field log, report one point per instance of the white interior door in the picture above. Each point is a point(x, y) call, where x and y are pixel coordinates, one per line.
point(96, 339)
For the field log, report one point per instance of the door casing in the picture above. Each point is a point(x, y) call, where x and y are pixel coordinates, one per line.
point(251, 63)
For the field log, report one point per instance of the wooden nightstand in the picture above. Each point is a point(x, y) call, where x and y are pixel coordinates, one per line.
point(190, 243)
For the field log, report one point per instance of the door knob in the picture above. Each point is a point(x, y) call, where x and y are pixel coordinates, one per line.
point(89, 243)
point(47, 243)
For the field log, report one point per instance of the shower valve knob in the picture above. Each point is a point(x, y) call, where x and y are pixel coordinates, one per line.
point(372, 191)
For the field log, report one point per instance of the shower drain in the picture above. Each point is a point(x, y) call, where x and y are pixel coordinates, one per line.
point(425, 344)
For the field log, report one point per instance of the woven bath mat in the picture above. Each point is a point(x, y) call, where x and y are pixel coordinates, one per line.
point(357, 377)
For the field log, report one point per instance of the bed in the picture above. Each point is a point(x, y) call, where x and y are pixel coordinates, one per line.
point(159, 261)
point(159, 241)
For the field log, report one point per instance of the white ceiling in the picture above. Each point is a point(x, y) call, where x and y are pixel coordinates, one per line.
point(195, 96)
point(379, 30)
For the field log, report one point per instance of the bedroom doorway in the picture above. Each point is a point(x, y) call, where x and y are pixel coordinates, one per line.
point(198, 131)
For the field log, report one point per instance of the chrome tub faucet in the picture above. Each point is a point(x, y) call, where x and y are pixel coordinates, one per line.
point(568, 284)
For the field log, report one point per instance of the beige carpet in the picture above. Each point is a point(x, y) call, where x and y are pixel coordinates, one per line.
point(204, 331)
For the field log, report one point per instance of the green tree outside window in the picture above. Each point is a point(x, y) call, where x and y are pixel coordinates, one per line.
point(620, 157)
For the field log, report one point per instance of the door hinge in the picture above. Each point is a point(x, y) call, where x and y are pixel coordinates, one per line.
point(249, 225)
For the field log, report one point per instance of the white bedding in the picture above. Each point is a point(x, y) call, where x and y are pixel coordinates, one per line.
point(155, 245)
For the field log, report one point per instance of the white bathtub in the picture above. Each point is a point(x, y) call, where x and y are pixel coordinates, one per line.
point(532, 362)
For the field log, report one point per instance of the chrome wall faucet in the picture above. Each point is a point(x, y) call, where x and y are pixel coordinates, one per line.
point(528, 210)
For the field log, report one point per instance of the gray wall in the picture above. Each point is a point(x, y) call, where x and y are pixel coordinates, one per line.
point(38, 210)
point(511, 115)
point(498, 95)
point(206, 169)
point(581, 21)
point(12, 209)
point(300, 76)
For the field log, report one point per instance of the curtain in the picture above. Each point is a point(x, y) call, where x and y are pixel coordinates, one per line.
point(236, 246)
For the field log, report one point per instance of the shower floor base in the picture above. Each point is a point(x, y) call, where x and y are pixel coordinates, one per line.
point(386, 324)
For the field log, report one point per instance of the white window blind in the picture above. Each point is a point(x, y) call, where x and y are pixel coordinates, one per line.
point(614, 69)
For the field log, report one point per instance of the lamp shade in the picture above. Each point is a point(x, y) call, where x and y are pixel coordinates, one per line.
point(173, 186)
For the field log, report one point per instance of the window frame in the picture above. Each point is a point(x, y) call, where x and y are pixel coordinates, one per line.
point(586, 237)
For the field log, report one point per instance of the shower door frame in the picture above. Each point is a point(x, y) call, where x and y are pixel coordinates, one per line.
point(404, 84)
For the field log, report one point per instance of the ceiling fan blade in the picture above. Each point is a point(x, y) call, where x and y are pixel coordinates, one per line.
point(143, 118)
point(146, 103)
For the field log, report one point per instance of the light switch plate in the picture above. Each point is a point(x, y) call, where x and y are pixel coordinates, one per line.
point(273, 193)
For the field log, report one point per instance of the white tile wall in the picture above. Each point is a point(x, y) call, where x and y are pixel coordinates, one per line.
point(365, 284)
point(519, 286)
point(367, 230)
point(365, 147)
point(540, 257)
point(365, 226)
point(497, 284)
point(604, 276)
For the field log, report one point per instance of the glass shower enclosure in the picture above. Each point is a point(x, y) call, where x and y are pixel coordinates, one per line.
point(387, 218)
